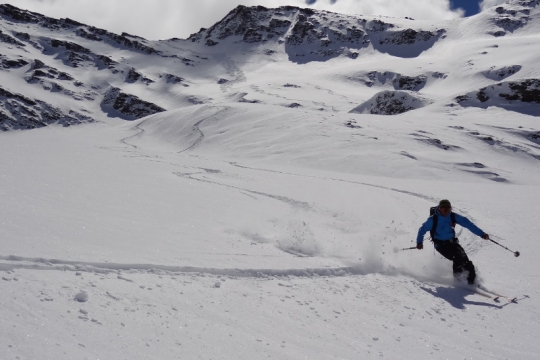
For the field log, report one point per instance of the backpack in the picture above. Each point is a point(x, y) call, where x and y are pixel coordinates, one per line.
point(433, 214)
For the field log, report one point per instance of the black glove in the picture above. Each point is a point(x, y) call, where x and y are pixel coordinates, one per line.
point(485, 237)
point(420, 246)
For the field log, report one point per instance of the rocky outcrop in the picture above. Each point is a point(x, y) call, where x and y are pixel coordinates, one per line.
point(5, 38)
point(398, 81)
point(7, 63)
point(116, 103)
point(511, 95)
point(512, 16)
point(134, 76)
point(412, 83)
point(392, 103)
point(174, 79)
point(18, 112)
point(409, 37)
point(40, 71)
point(310, 35)
point(502, 72)
point(88, 32)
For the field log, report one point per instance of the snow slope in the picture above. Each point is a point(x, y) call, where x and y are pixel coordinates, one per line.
point(257, 216)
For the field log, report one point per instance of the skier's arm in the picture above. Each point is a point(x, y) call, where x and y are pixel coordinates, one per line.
point(468, 224)
point(424, 229)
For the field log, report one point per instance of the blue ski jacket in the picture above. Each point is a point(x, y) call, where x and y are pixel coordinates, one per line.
point(444, 231)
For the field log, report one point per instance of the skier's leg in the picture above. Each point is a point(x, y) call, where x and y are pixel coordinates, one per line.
point(450, 252)
point(462, 261)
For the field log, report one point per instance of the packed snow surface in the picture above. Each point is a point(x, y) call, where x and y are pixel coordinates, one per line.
point(233, 207)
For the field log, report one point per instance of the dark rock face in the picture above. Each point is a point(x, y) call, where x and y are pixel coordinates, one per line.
point(502, 73)
point(96, 34)
point(88, 32)
point(409, 36)
point(107, 61)
point(391, 103)
point(13, 13)
point(12, 63)
point(173, 79)
point(510, 19)
point(43, 71)
point(526, 91)
point(18, 112)
point(5, 38)
point(127, 106)
point(520, 96)
point(310, 35)
point(379, 26)
point(402, 82)
point(134, 76)
point(72, 54)
point(437, 143)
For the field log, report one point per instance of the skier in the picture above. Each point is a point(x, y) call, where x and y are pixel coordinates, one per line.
point(441, 225)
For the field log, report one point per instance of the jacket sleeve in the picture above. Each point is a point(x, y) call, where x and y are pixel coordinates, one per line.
point(468, 224)
point(423, 229)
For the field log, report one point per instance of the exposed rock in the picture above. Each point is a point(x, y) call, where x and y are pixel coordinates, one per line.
point(5, 38)
point(173, 79)
point(521, 96)
point(18, 112)
point(107, 61)
point(378, 26)
point(402, 82)
point(87, 35)
point(392, 103)
point(38, 64)
point(526, 91)
point(119, 104)
point(22, 36)
point(12, 63)
point(72, 54)
point(437, 143)
point(69, 46)
point(510, 18)
point(501, 73)
point(134, 76)
point(120, 40)
point(17, 14)
point(409, 36)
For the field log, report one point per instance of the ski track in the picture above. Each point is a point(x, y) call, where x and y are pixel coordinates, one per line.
point(13, 262)
point(196, 128)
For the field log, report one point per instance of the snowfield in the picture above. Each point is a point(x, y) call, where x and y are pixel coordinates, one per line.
point(254, 213)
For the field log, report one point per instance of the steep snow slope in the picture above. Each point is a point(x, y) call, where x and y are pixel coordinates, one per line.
point(251, 214)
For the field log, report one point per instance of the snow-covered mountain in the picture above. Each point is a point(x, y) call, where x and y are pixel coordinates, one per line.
point(67, 72)
point(245, 193)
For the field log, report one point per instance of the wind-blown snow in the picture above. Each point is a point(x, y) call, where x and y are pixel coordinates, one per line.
point(251, 215)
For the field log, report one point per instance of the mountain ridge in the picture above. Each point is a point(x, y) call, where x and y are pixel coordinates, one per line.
point(74, 68)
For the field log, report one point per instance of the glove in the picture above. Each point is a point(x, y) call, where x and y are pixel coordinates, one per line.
point(485, 237)
point(420, 246)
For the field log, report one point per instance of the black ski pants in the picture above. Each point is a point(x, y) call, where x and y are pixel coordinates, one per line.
point(454, 252)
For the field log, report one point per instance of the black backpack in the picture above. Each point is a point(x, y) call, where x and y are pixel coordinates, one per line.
point(433, 214)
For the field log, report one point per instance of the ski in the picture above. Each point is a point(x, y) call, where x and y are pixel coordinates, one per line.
point(485, 294)
point(509, 298)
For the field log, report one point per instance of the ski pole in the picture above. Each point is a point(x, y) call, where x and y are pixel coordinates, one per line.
point(516, 253)
point(396, 249)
